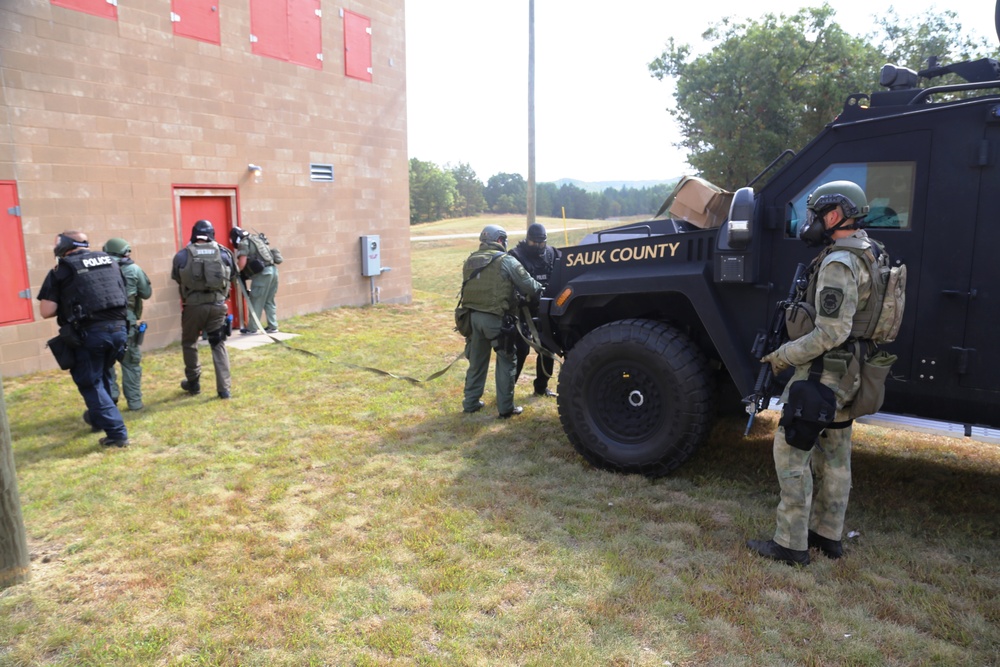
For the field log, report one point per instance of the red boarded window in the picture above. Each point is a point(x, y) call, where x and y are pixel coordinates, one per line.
point(289, 30)
point(357, 46)
point(197, 19)
point(95, 7)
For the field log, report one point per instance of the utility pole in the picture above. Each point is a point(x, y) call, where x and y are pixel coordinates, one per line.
point(13, 543)
point(531, 112)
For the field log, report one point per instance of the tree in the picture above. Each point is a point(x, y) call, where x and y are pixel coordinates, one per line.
point(765, 86)
point(511, 185)
point(432, 192)
point(912, 42)
point(773, 84)
point(469, 199)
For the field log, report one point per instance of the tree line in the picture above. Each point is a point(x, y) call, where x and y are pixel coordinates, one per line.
point(437, 193)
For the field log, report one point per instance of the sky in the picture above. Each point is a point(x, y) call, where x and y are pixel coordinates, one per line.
point(599, 115)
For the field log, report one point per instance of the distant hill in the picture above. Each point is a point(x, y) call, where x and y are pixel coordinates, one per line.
point(601, 186)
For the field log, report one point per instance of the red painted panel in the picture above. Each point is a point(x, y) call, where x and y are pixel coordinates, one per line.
point(269, 25)
point(197, 19)
point(218, 211)
point(305, 38)
point(357, 46)
point(14, 308)
point(95, 7)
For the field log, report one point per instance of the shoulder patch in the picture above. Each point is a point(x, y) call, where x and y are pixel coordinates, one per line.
point(830, 300)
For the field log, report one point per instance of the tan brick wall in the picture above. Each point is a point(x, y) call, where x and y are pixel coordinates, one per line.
point(101, 119)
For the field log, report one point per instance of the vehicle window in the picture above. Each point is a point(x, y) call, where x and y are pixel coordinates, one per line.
point(889, 186)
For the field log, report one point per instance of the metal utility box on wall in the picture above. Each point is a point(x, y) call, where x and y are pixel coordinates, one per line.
point(371, 255)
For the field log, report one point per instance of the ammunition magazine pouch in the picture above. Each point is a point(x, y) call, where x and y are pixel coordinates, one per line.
point(810, 408)
point(871, 393)
point(800, 319)
point(63, 352)
point(463, 321)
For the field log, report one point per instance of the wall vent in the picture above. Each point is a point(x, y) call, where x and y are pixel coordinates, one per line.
point(321, 172)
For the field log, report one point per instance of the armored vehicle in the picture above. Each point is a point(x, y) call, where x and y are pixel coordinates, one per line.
point(656, 320)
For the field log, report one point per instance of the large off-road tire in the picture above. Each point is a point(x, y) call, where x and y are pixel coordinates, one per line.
point(635, 397)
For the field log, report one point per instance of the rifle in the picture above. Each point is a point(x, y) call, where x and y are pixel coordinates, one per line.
point(764, 344)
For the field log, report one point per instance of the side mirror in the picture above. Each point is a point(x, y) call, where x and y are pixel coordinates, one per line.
point(739, 228)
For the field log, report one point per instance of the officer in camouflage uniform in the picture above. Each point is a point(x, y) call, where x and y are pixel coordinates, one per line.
point(205, 271)
point(490, 277)
point(137, 289)
point(841, 283)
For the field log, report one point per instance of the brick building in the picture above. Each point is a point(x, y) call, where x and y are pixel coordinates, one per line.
point(135, 118)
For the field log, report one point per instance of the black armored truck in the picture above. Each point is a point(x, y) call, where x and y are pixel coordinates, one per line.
point(656, 320)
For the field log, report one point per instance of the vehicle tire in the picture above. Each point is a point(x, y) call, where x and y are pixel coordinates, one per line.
point(635, 397)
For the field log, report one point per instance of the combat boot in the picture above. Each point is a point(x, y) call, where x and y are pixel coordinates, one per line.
point(831, 548)
point(774, 551)
point(193, 388)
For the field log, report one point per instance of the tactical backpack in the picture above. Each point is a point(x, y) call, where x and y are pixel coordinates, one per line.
point(883, 314)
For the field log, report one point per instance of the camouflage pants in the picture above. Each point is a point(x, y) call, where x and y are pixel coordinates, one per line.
point(826, 469)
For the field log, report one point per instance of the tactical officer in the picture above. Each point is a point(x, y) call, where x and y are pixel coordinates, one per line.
point(205, 271)
point(85, 292)
point(538, 258)
point(490, 277)
point(839, 286)
point(258, 263)
point(137, 290)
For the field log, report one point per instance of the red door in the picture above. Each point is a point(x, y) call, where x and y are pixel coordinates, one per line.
point(217, 209)
point(15, 290)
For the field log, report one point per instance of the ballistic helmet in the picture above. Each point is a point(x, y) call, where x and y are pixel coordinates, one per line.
point(493, 234)
point(117, 247)
point(848, 196)
point(236, 235)
point(536, 232)
point(202, 229)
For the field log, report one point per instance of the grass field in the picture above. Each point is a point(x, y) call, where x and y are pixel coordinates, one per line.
point(331, 516)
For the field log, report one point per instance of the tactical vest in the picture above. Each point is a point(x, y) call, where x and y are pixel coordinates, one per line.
point(96, 285)
point(489, 291)
point(205, 277)
point(879, 316)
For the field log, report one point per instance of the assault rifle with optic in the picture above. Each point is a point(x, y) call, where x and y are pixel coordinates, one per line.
point(764, 344)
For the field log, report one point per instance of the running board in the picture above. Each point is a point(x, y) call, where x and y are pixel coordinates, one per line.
point(903, 423)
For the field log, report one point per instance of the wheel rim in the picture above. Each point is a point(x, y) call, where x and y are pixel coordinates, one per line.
point(626, 402)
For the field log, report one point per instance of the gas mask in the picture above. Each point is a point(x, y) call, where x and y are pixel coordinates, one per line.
point(814, 233)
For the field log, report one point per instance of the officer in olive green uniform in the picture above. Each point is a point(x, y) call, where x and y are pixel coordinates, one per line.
point(258, 262)
point(137, 290)
point(490, 277)
point(841, 283)
point(205, 271)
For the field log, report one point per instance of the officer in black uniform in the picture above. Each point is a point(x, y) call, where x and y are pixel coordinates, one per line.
point(204, 270)
point(538, 258)
point(85, 292)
